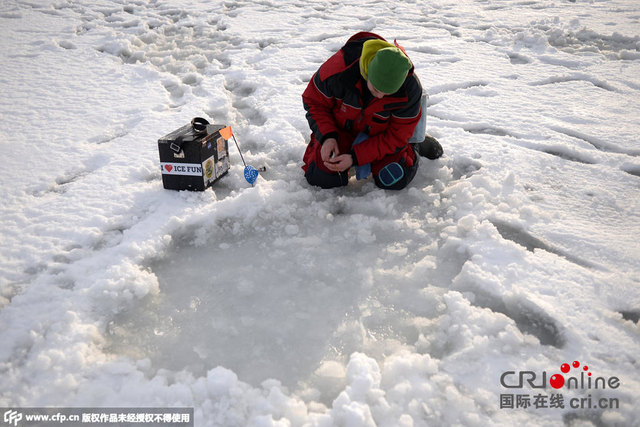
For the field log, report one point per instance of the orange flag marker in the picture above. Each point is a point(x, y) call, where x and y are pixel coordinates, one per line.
point(226, 133)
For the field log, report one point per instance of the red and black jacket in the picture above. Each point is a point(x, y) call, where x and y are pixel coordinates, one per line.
point(339, 105)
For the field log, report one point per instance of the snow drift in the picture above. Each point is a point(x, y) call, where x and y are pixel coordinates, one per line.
point(282, 304)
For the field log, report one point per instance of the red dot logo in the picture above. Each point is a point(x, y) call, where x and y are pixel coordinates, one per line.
point(557, 381)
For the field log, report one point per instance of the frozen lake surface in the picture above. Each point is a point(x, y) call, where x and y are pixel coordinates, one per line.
point(282, 304)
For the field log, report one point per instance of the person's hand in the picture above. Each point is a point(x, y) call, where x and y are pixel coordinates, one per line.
point(340, 163)
point(329, 149)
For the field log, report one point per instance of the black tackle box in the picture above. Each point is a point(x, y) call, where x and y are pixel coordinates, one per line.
point(194, 156)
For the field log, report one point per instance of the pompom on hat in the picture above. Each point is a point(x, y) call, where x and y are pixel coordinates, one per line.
point(388, 69)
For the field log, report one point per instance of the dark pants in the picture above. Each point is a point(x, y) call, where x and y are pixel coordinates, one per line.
point(317, 174)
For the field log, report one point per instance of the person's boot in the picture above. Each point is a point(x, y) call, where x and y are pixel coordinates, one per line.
point(430, 148)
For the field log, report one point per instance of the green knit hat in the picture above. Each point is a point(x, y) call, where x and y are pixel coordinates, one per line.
point(388, 69)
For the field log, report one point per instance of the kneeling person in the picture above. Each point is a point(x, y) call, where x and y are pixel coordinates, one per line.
point(363, 105)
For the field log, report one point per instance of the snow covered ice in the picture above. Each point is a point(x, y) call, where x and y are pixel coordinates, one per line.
point(282, 304)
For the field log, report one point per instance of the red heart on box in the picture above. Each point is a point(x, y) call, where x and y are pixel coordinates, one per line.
point(168, 167)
